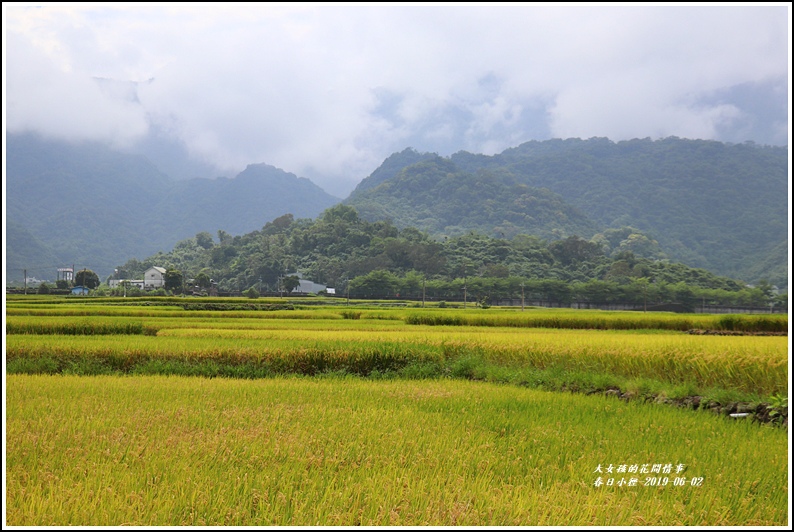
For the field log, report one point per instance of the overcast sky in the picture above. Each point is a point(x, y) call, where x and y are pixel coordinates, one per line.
point(329, 91)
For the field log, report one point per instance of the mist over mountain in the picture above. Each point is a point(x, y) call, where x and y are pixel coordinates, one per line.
point(90, 206)
point(721, 207)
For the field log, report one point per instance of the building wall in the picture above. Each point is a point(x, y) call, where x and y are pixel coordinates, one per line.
point(113, 283)
point(153, 278)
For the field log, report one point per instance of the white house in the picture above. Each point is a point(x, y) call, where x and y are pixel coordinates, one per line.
point(154, 278)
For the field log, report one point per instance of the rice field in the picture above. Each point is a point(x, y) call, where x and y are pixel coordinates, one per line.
point(177, 451)
point(745, 364)
point(498, 317)
point(153, 415)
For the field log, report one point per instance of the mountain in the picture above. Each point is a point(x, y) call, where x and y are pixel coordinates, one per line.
point(255, 196)
point(710, 205)
point(391, 167)
point(90, 206)
point(434, 195)
point(721, 207)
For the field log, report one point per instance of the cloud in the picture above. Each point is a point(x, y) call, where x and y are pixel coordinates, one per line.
point(328, 92)
point(42, 97)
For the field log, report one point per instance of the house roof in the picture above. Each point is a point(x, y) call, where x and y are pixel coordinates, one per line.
point(158, 268)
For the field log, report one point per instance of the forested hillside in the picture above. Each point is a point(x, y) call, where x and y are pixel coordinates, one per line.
point(94, 207)
point(708, 204)
point(436, 196)
point(376, 259)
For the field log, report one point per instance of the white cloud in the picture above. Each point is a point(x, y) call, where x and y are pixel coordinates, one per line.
point(329, 91)
point(42, 96)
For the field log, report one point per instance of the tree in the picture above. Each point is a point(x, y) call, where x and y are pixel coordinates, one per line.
point(619, 271)
point(554, 290)
point(340, 212)
point(290, 283)
point(203, 280)
point(278, 225)
point(173, 280)
point(377, 283)
point(224, 237)
point(766, 290)
point(204, 239)
point(500, 271)
point(574, 250)
point(86, 278)
point(411, 284)
point(251, 293)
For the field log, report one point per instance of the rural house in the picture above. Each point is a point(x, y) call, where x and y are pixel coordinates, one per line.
point(154, 278)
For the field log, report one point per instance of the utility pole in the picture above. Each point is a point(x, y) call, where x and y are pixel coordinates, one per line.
point(423, 291)
point(124, 282)
point(25, 273)
point(464, 286)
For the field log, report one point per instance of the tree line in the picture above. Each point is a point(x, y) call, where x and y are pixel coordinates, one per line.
point(378, 260)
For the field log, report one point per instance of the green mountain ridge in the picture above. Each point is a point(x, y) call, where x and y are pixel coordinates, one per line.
point(710, 205)
point(719, 207)
point(447, 202)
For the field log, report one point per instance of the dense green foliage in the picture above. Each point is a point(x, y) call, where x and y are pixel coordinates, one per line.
point(173, 280)
point(435, 196)
point(708, 204)
point(86, 278)
point(376, 259)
